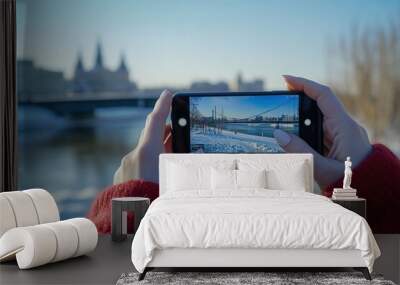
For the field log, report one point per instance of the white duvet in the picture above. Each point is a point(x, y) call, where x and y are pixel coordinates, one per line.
point(250, 219)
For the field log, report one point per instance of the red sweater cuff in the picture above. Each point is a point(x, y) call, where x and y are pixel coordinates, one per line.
point(377, 179)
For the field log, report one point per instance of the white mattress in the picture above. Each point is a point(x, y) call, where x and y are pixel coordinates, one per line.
point(256, 219)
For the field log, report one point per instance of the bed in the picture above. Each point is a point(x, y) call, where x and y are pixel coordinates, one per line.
point(247, 211)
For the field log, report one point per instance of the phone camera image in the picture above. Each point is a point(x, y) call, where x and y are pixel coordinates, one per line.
point(241, 124)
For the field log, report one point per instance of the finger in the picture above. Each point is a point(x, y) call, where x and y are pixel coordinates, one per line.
point(168, 139)
point(326, 170)
point(329, 104)
point(293, 144)
point(141, 136)
point(168, 144)
point(163, 104)
point(155, 122)
point(327, 145)
point(167, 131)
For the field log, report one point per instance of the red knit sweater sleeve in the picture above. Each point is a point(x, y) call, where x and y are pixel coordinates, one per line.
point(377, 179)
point(100, 210)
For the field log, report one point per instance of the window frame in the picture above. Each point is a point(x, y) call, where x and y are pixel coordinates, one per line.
point(8, 98)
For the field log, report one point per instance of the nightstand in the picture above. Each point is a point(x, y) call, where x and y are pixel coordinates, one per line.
point(120, 208)
point(357, 205)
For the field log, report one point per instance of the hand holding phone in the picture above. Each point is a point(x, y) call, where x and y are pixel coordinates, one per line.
point(343, 136)
point(142, 162)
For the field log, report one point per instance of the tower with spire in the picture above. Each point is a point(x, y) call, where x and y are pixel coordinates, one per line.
point(101, 79)
point(79, 68)
point(99, 56)
point(122, 65)
point(79, 82)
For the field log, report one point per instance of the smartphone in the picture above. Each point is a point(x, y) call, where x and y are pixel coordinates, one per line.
point(243, 122)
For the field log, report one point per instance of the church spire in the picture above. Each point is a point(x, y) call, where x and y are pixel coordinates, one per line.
point(79, 64)
point(99, 56)
point(122, 64)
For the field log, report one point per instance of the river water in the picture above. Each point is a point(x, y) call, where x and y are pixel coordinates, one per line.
point(74, 159)
point(261, 129)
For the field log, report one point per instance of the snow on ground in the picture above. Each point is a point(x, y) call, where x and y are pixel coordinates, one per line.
point(229, 141)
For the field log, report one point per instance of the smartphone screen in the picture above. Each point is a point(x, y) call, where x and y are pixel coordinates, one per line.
point(243, 122)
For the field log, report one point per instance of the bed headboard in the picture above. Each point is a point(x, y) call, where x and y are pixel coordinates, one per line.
point(194, 158)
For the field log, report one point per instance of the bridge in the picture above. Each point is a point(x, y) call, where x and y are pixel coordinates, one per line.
point(261, 121)
point(86, 107)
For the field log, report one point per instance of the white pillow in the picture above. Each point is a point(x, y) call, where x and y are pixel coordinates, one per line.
point(227, 179)
point(184, 174)
point(251, 178)
point(183, 177)
point(291, 178)
point(223, 179)
point(291, 175)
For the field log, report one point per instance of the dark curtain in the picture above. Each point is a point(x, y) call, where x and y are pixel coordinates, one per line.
point(8, 100)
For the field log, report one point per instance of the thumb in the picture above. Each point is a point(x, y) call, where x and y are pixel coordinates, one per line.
point(154, 128)
point(326, 170)
point(291, 143)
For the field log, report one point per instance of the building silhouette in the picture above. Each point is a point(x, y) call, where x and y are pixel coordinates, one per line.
point(221, 86)
point(205, 86)
point(35, 83)
point(249, 86)
point(101, 79)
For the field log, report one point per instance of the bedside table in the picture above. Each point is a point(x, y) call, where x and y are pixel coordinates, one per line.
point(120, 208)
point(357, 205)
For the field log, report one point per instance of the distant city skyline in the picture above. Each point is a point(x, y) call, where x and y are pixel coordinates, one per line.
point(175, 43)
point(38, 84)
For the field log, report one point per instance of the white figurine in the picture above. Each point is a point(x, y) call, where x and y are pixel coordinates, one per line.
point(347, 174)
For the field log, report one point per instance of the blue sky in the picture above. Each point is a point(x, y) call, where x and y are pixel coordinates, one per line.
point(175, 42)
point(246, 106)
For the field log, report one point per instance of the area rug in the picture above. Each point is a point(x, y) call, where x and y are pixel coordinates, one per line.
point(229, 278)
